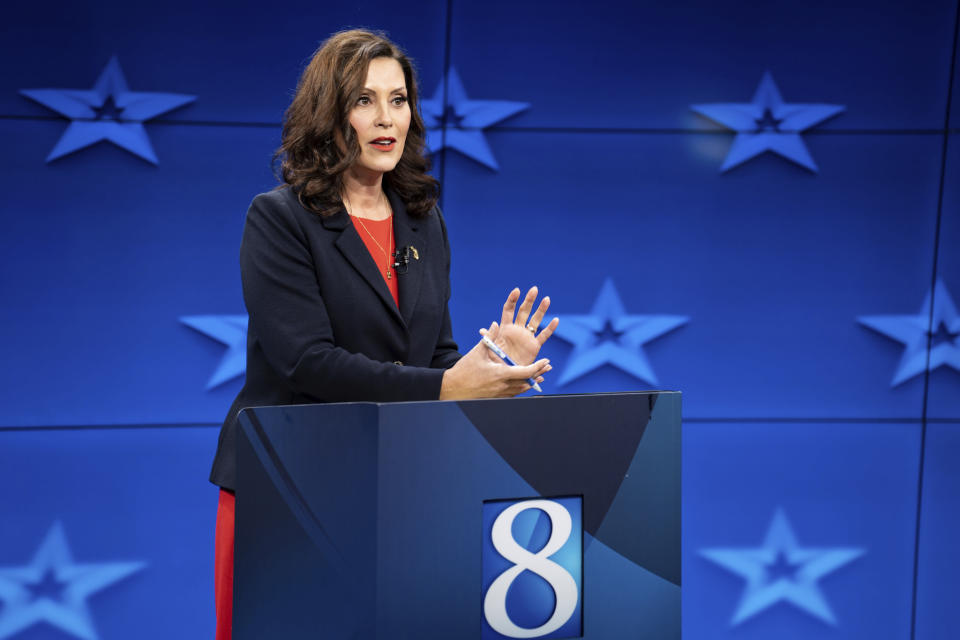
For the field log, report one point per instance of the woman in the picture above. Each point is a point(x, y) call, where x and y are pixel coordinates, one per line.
point(345, 267)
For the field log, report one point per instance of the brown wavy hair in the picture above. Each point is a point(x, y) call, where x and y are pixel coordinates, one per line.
point(318, 144)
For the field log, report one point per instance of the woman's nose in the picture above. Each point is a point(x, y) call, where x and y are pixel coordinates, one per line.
point(383, 116)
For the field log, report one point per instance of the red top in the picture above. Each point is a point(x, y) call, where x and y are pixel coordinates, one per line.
point(380, 231)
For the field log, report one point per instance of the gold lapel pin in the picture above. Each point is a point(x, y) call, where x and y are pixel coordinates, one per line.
point(416, 255)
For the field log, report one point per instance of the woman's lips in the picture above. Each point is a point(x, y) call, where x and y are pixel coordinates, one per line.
point(384, 144)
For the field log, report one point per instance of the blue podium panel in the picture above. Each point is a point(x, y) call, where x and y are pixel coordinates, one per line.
point(641, 65)
point(104, 254)
point(944, 398)
point(241, 60)
point(381, 521)
point(799, 530)
point(938, 575)
point(667, 273)
point(106, 533)
point(955, 104)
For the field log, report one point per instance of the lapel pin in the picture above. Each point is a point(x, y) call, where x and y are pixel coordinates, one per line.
point(416, 255)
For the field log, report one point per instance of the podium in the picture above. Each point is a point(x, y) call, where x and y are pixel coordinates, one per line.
point(540, 517)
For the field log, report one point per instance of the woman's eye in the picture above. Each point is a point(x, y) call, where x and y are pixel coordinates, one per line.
point(399, 100)
point(363, 100)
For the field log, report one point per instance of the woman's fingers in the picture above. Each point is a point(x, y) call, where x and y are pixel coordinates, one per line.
point(530, 371)
point(537, 317)
point(510, 306)
point(493, 331)
point(523, 313)
point(522, 317)
point(548, 331)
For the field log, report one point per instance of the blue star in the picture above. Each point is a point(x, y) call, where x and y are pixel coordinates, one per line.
point(768, 124)
point(54, 589)
point(609, 336)
point(108, 111)
point(915, 330)
point(460, 125)
point(768, 583)
point(228, 330)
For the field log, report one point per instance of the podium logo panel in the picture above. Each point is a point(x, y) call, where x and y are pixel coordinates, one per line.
point(532, 568)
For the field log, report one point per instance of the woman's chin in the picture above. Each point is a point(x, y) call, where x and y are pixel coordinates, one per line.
point(377, 165)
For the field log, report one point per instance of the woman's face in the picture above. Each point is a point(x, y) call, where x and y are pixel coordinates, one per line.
point(381, 116)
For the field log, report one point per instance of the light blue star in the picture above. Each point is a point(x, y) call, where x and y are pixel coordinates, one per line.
point(768, 124)
point(765, 588)
point(26, 603)
point(915, 330)
point(460, 125)
point(228, 330)
point(609, 336)
point(108, 111)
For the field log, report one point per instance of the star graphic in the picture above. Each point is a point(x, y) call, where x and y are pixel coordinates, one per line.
point(459, 124)
point(108, 111)
point(609, 336)
point(782, 571)
point(54, 589)
point(228, 330)
point(914, 331)
point(768, 124)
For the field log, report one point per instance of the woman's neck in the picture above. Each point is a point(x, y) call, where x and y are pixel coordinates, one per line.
point(363, 195)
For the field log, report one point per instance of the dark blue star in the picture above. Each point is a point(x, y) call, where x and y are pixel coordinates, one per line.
point(608, 333)
point(459, 125)
point(230, 331)
point(54, 589)
point(109, 111)
point(48, 586)
point(913, 331)
point(451, 119)
point(943, 335)
point(768, 124)
point(782, 568)
point(782, 571)
point(609, 336)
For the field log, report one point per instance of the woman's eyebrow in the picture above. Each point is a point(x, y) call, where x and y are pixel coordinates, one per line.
point(397, 90)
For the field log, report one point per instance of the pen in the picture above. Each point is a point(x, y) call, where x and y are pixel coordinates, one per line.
point(503, 356)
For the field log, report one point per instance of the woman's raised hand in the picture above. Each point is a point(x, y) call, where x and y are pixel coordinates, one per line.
point(481, 374)
point(517, 333)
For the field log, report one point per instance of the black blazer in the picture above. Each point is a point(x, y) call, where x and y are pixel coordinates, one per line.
point(323, 325)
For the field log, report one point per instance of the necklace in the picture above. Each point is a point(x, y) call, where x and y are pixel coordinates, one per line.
point(386, 254)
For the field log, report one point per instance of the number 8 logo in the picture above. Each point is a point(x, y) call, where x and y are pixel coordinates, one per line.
point(563, 584)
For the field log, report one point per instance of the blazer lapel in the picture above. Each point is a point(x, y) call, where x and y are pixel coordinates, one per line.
point(407, 235)
point(355, 251)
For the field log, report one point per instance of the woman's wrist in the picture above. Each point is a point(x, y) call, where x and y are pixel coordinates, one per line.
point(448, 385)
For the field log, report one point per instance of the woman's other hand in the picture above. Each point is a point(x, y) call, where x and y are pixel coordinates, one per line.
point(517, 332)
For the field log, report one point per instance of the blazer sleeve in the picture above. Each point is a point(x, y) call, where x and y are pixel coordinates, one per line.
point(446, 354)
point(289, 318)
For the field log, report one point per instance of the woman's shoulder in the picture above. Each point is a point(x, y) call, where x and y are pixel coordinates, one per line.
point(281, 197)
point(278, 213)
point(282, 206)
point(434, 217)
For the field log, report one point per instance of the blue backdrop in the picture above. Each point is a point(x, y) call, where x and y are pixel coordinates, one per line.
point(756, 203)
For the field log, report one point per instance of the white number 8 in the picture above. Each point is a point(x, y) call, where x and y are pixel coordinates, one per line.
point(563, 585)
